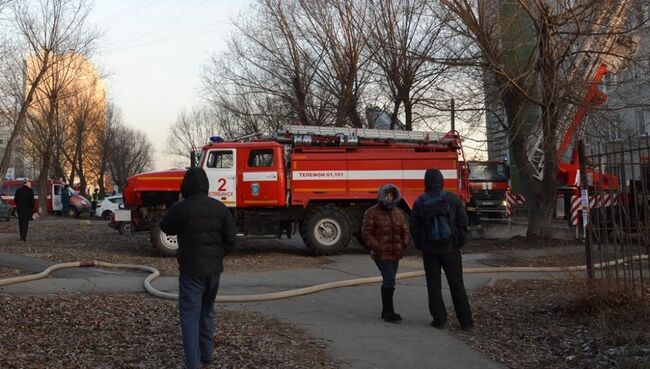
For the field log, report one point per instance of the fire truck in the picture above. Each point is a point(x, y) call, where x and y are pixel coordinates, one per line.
point(78, 203)
point(315, 181)
point(488, 184)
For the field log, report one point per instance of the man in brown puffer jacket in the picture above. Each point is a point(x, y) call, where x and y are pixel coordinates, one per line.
point(385, 232)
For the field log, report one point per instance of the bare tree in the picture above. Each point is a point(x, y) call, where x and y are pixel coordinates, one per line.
point(46, 29)
point(406, 38)
point(104, 143)
point(268, 57)
point(338, 30)
point(191, 131)
point(82, 115)
point(537, 54)
point(129, 152)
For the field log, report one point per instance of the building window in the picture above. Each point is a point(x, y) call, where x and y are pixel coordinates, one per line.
point(220, 159)
point(260, 158)
point(615, 133)
point(643, 122)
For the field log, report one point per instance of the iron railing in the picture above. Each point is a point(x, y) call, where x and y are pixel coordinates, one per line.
point(619, 215)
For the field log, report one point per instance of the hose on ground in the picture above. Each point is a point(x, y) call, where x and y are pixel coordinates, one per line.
point(299, 291)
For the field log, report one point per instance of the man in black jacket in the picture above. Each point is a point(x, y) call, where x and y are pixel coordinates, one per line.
point(24, 199)
point(440, 253)
point(206, 233)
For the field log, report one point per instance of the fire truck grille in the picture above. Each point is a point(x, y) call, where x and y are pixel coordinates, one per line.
point(487, 195)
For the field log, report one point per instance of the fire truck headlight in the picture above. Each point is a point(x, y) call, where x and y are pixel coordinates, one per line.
point(504, 203)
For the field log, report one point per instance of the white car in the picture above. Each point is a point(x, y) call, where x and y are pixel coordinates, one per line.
point(107, 206)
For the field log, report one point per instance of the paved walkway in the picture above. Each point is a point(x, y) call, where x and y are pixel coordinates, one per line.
point(346, 319)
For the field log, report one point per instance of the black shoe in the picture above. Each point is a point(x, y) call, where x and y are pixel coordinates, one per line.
point(391, 317)
point(438, 325)
point(388, 311)
point(468, 328)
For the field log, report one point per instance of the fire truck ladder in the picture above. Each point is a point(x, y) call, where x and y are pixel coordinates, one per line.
point(367, 133)
point(613, 53)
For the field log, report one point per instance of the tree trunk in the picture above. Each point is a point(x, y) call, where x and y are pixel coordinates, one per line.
point(101, 180)
point(408, 114)
point(393, 116)
point(539, 225)
point(43, 185)
point(22, 116)
point(301, 100)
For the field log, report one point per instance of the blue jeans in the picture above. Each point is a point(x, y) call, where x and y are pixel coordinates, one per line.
point(195, 305)
point(388, 269)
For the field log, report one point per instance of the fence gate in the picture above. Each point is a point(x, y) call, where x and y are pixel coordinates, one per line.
point(619, 212)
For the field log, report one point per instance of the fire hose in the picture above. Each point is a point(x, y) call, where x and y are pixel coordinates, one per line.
point(299, 291)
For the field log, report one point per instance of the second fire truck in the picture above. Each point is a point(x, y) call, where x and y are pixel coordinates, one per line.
point(317, 181)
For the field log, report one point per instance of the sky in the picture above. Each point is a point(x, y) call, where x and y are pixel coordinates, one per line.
point(153, 52)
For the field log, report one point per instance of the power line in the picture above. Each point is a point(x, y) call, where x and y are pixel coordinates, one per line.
point(161, 26)
point(129, 11)
point(192, 32)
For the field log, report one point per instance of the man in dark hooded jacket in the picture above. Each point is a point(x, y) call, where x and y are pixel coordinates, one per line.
point(437, 253)
point(24, 199)
point(206, 233)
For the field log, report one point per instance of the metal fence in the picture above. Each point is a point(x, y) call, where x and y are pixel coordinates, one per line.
point(619, 212)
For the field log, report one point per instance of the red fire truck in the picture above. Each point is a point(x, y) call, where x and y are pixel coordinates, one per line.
point(314, 180)
point(78, 203)
point(488, 183)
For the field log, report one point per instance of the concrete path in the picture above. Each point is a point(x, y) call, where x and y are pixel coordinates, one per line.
point(346, 319)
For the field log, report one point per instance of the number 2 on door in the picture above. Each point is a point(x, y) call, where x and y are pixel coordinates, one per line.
point(222, 184)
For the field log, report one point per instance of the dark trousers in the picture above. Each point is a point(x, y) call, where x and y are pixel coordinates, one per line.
point(195, 305)
point(452, 264)
point(23, 226)
point(388, 270)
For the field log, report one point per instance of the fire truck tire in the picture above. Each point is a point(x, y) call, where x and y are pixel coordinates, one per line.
point(326, 231)
point(163, 244)
point(125, 228)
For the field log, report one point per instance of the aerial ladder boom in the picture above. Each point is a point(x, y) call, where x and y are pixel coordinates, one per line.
point(612, 53)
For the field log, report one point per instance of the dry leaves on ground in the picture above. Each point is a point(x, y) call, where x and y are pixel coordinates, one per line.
point(138, 331)
point(561, 324)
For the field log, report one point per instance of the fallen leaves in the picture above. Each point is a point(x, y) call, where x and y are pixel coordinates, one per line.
point(546, 324)
point(138, 331)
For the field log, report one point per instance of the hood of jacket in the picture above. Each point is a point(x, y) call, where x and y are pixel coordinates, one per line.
point(433, 181)
point(382, 193)
point(194, 182)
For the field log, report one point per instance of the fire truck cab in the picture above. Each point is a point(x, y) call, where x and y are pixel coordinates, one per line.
point(488, 182)
point(317, 181)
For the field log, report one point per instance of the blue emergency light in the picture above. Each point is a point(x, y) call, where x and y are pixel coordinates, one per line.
point(216, 139)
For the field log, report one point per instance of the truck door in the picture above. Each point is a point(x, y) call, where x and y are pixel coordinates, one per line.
point(262, 182)
point(220, 168)
point(56, 197)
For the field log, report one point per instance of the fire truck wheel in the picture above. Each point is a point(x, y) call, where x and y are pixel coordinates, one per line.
point(125, 228)
point(326, 231)
point(163, 244)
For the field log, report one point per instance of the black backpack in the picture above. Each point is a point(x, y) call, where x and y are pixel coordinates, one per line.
point(439, 225)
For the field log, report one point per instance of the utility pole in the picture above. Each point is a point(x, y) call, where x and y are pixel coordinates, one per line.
point(453, 114)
